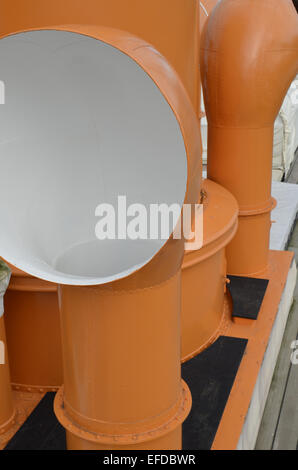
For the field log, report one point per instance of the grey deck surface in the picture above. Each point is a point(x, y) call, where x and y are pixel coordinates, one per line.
point(279, 427)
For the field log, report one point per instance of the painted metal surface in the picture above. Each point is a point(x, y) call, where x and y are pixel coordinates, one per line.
point(163, 272)
point(121, 340)
point(171, 26)
point(252, 380)
point(129, 309)
point(124, 389)
point(33, 333)
point(204, 309)
point(244, 87)
point(151, 294)
point(7, 412)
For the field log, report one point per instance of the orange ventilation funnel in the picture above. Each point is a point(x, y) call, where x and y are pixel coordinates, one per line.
point(249, 58)
point(106, 115)
point(32, 317)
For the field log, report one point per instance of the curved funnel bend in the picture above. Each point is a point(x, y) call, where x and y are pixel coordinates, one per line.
point(82, 124)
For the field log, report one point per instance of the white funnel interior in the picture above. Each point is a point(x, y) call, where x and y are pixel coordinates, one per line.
point(82, 124)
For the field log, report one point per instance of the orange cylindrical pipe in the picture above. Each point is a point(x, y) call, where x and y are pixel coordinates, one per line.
point(204, 306)
point(249, 57)
point(6, 403)
point(122, 367)
point(204, 301)
point(33, 333)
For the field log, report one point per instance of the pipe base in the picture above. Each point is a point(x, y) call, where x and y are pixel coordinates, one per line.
point(164, 432)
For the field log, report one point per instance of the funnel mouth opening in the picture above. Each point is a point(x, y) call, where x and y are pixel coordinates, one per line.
point(81, 125)
point(104, 258)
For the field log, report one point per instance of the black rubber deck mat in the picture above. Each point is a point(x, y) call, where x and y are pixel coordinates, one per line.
point(247, 295)
point(210, 377)
point(41, 430)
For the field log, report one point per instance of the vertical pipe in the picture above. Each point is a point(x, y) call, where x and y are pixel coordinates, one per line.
point(249, 56)
point(205, 309)
point(33, 333)
point(6, 405)
point(122, 384)
point(121, 341)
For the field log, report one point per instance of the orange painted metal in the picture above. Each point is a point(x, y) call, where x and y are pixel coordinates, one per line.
point(7, 412)
point(147, 19)
point(121, 341)
point(140, 402)
point(33, 333)
point(258, 333)
point(171, 26)
point(249, 56)
point(24, 403)
point(204, 308)
point(122, 385)
point(159, 405)
point(206, 6)
point(119, 390)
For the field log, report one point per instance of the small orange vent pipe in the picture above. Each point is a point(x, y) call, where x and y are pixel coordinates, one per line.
point(33, 333)
point(6, 404)
point(249, 56)
point(7, 412)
